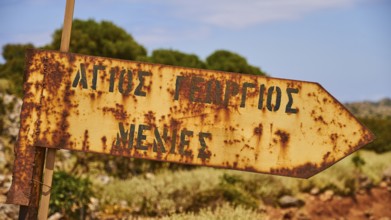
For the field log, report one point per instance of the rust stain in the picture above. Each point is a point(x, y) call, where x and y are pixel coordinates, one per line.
point(177, 114)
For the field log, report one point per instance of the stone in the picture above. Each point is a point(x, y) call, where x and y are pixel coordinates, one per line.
point(8, 211)
point(302, 216)
point(2, 179)
point(383, 184)
point(288, 215)
point(55, 216)
point(104, 179)
point(314, 191)
point(3, 198)
point(387, 174)
point(150, 176)
point(365, 182)
point(123, 204)
point(290, 201)
point(326, 196)
point(94, 204)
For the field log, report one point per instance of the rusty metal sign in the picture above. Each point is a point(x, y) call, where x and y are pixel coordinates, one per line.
point(184, 115)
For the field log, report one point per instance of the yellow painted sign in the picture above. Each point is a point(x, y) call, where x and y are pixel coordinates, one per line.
point(185, 115)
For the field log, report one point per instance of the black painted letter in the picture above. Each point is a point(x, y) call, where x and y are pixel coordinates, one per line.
point(244, 93)
point(141, 137)
point(95, 75)
point(141, 75)
point(289, 108)
point(122, 82)
point(81, 79)
point(185, 142)
point(269, 99)
point(203, 153)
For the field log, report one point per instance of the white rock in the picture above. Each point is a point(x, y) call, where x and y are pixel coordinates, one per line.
point(55, 216)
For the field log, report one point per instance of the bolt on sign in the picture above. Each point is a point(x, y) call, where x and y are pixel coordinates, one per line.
point(184, 115)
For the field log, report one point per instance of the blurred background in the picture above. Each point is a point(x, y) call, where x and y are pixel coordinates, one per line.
point(342, 44)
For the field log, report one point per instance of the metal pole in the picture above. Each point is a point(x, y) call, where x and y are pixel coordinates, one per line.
point(30, 210)
point(51, 153)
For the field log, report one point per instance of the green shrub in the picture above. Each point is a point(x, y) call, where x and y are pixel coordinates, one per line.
point(161, 194)
point(381, 127)
point(70, 195)
point(224, 212)
point(203, 189)
point(229, 190)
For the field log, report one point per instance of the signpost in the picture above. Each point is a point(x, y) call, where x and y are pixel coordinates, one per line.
point(174, 114)
point(184, 115)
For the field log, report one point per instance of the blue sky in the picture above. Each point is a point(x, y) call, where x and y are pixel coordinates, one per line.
point(345, 45)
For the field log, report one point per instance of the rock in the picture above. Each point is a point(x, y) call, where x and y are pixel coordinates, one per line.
point(7, 99)
point(7, 185)
point(290, 201)
point(368, 214)
point(2, 158)
point(150, 176)
point(123, 204)
point(3, 198)
point(365, 182)
point(314, 191)
point(326, 196)
point(55, 216)
point(302, 216)
point(104, 179)
point(13, 116)
point(2, 179)
point(287, 215)
point(66, 154)
point(94, 204)
point(387, 174)
point(13, 131)
point(2, 150)
point(9, 211)
point(383, 184)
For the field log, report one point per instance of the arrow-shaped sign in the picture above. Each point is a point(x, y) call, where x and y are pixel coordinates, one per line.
point(184, 115)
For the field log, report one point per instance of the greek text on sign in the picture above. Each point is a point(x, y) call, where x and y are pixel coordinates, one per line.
point(185, 115)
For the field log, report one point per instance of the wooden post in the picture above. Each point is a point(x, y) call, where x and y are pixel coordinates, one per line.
point(51, 153)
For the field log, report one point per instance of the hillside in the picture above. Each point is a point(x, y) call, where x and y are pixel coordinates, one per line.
point(369, 109)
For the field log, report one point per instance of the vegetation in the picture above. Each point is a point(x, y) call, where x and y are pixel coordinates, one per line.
point(231, 62)
point(100, 39)
point(11, 73)
point(206, 188)
point(108, 40)
point(366, 109)
point(172, 191)
point(176, 58)
point(70, 195)
point(381, 127)
point(224, 212)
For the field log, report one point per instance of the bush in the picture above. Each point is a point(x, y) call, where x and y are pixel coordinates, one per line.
point(224, 212)
point(70, 195)
point(203, 190)
point(229, 190)
point(381, 127)
point(161, 194)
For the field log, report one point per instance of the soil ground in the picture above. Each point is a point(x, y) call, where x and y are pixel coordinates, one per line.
point(374, 204)
point(368, 205)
